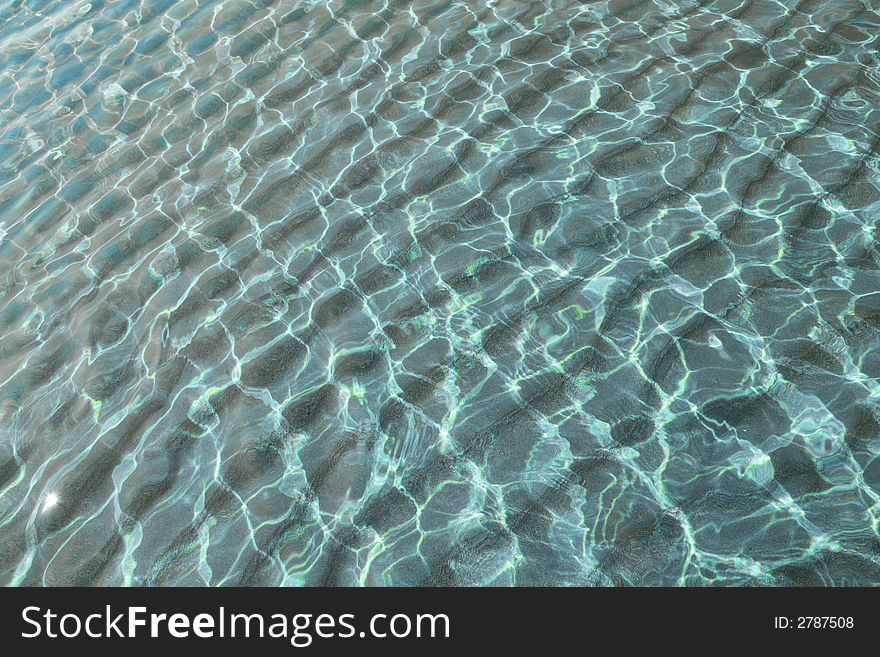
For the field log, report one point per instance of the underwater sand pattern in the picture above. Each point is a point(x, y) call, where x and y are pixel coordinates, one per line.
point(439, 292)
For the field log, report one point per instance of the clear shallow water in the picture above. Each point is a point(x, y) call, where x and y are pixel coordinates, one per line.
point(439, 293)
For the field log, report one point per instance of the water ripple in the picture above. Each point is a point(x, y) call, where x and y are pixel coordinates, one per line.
point(438, 292)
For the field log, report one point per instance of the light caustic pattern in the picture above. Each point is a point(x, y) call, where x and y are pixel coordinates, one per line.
point(439, 292)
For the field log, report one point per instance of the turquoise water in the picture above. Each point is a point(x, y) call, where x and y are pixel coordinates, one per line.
point(442, 293)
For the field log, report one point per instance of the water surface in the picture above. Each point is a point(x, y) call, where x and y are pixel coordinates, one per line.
point(440, 293)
